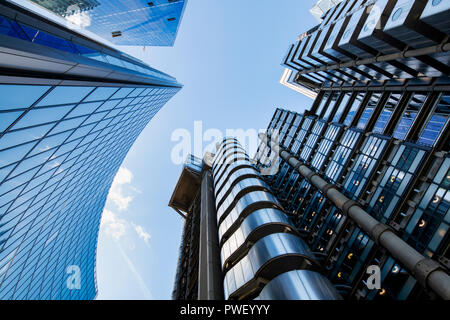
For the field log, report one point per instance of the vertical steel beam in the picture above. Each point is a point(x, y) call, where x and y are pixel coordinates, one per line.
point(210, 278)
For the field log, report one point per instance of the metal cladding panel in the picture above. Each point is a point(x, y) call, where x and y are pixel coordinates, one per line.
point(241, 185)
point(343, 11)
point(328, 48)
point(301, 48)
point(62, 142)
point(288, 57)
point(262, 217)
point(59, 154)
point(137, 21)
point(351, 32)
point(399, 24)
point(299, 285)
point(339, 27)
point(367, 34)
point(305, 54)
point(371, 38)
point(335, 14)
point(315, 52)
point(260, 256)
point(436, 14)
point(257, 241)
point(227, 179)
point(297, 60)
point(224, 212)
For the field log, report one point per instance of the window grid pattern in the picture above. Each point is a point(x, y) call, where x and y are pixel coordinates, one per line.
point(139, 23)
point(436, 123)
point(299, 197)
point(290, 188)
point(325, 146)
point(322, 103)
point(331, 105)
point(27, 33)
point(292, 131)
point(311, 143)
point(279, 122)
point(395, 181)
point(312, 213)
point(301, 135)
point(364, 166)
point(328, 231)
point(353, 256)
point(323, 224)
point(58, 159)
point(274, 121)
point(280, 177)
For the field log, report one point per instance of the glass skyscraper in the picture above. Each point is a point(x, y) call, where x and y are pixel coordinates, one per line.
point(70, 109)
point(321, 7)
point(363, 174)
point(130, 22)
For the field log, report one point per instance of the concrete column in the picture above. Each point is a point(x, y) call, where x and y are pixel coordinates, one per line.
point(210, 277)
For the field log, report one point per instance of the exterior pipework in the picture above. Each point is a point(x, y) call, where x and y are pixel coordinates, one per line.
point(258, 243)
point(382, 58)
point(427, 271)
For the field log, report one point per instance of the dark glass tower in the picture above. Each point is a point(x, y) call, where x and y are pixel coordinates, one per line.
point(70, 109)
point(364, 173)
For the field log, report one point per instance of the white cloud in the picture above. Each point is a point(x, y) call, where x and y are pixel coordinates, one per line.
point(142, 233)
point(112, 225)
point(116, 193)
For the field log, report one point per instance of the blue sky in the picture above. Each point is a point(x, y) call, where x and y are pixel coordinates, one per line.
point(227, 55)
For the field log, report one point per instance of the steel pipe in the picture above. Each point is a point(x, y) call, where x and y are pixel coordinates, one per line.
point(427, 272)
